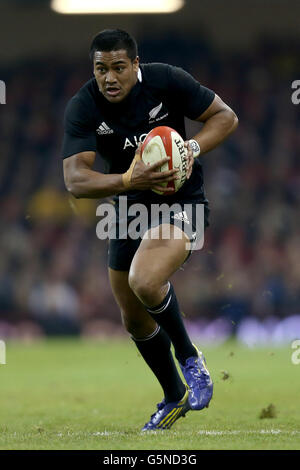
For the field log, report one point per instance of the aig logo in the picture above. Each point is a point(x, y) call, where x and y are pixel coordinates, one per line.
point(2, 92)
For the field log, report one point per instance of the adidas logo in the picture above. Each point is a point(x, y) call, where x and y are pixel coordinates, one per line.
point(104, 129)
point(181, 216)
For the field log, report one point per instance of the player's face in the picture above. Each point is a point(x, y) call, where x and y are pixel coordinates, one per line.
point(115, 73)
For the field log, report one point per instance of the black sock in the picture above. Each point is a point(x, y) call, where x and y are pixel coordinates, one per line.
point(156, 351)
point(168, 316)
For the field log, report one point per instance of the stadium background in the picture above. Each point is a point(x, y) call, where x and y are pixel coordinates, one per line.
point(246, 280)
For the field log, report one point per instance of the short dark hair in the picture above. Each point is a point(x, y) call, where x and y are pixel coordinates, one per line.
point(114, 40)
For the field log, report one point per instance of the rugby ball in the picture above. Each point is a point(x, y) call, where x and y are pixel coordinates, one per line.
point(164, 142)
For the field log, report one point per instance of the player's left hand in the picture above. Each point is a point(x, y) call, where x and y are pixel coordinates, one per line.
point(190, 159)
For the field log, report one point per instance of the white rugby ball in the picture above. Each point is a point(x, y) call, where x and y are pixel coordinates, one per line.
point(164, 142)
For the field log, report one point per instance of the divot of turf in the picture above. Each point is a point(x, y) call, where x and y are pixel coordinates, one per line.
point(225, 375)
point(269, 412)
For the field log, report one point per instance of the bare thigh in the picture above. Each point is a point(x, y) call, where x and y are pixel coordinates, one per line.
point(154, 263)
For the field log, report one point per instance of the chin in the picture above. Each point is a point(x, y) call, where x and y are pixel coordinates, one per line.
point(113, 99)
point(116, 100)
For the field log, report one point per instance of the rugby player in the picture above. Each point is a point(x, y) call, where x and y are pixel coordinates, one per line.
point(111, 114)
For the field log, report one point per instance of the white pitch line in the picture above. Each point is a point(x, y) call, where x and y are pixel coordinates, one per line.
point(258, 431)
point(213, 433)
point(97, 434)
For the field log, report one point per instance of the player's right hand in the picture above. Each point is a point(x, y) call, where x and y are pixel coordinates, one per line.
point(142, 177)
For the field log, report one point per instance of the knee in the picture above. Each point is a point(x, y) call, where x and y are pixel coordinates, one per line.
point(130, 325)
point(144, 287)
point(138, 327)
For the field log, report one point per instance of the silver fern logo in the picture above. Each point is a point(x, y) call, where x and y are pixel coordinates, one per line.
point(154, 112)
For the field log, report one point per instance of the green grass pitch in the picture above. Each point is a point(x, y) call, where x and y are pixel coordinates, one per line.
point(67, 394)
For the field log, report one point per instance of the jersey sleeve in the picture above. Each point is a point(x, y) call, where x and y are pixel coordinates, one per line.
point(79, 132)
point(192, 97)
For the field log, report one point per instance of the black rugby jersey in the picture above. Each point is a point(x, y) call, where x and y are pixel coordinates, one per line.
point(162, 96)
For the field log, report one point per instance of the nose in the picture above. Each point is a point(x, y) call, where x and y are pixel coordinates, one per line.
point(110, 77)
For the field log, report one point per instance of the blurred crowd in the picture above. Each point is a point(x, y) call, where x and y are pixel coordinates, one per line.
point(53, 268)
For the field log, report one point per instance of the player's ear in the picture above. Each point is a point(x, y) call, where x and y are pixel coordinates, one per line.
point(136, 64)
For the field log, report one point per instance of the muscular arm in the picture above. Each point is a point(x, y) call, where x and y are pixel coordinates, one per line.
point(83, 182)
point(219, 122)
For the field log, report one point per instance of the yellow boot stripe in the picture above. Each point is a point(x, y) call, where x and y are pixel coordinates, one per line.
point(173, 414)
point(184, 398)
point(179, 410)
point(169, 415)
point(173, 418)
point(200, 355)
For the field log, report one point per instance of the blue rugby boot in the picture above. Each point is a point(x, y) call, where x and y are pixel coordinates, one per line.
point(167, 414)
point(199, 381)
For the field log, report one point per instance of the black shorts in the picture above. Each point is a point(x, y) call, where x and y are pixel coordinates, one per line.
point(125, 242)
